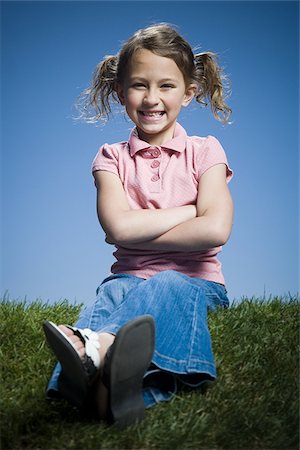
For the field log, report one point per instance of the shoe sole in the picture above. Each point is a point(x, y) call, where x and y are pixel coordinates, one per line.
point(130, 357)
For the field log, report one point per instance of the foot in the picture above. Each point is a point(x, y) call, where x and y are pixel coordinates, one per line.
point(98, 397)
point(86, 365)
point(105, 340)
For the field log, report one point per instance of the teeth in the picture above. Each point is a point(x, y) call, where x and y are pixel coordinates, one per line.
point(152, 114)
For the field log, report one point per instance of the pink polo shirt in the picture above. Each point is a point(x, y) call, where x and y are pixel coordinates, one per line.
point(163, 177)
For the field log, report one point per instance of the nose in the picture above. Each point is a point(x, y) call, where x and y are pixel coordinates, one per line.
point(151, 97)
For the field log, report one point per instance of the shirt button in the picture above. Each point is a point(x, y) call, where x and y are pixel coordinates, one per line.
point(155, 164)
point(155, 178)
point(155, 153)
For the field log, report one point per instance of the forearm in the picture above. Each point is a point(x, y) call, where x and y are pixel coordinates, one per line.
point(200, 233)
point(133, 227)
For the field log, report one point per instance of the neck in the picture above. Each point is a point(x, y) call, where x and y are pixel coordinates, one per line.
point(159, 138)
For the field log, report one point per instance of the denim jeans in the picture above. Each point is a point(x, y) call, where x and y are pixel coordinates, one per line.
point(179, 305)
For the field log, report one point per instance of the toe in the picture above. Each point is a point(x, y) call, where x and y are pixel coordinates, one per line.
point(66, 330)
point(75, 340)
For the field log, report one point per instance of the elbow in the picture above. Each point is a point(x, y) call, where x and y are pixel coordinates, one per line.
point(119, 234)
point(116, 236)
point(222, 227)
point(221, 234)
point(120, 228)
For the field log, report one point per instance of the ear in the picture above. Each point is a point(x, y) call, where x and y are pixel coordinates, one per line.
point(190, 93)
point(120, 93)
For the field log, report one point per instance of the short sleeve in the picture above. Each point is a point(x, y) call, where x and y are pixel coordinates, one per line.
point(211, 154)
point(107, 159)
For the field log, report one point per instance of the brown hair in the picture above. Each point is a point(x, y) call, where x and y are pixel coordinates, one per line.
point(163, 40)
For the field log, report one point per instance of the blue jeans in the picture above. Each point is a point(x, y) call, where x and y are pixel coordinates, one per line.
point(179, 305)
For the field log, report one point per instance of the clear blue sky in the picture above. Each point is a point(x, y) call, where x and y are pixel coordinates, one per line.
point(52, 245)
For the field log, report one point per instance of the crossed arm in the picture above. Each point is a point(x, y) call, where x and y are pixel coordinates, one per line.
point(185, 228)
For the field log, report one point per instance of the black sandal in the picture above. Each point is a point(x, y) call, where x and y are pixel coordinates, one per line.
point(124, 367)
point(78, 374)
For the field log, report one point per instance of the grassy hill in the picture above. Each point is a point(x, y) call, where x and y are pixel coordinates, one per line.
point(254, 404)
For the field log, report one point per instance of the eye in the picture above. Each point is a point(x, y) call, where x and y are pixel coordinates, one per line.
point(138, 85)
point(167, 86)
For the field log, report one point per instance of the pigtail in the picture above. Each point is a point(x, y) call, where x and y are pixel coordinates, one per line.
point(94, 103)
point(211, 85)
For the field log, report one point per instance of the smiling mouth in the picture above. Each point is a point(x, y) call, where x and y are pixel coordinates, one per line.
point(154, 114)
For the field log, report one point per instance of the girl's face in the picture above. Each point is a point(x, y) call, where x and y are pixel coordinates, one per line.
point(153, 93)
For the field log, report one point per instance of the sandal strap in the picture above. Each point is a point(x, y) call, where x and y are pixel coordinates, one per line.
point(90, 340)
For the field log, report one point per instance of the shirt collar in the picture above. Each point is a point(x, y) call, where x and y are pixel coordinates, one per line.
point(177, 143)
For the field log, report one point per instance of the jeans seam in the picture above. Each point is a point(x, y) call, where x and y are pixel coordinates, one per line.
point(182, 361)
point(194, 325)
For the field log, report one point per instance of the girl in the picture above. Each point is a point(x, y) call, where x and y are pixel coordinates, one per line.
point(163, 202)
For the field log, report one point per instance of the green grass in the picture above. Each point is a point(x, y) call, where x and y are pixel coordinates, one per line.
point(254, 404)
